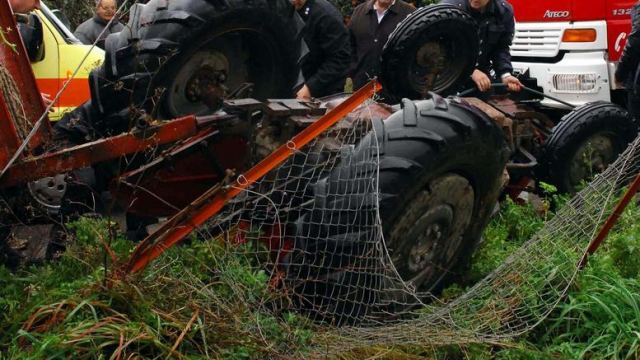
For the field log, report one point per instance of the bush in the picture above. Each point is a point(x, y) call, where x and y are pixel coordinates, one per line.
point(77, 11)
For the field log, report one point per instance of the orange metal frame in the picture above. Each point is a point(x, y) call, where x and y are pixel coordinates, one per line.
point(210, 203)
point(87, 154)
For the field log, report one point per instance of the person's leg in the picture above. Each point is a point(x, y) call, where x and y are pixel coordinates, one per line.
point(633, 104)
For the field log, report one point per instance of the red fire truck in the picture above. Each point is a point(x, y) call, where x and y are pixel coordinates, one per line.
point(571, 47)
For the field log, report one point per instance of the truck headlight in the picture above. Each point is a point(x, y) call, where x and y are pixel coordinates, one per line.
point(575, 83)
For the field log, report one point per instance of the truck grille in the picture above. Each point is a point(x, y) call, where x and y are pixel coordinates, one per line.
point(532, 40)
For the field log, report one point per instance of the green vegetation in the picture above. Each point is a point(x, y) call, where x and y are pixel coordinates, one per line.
point(197, 300)
point(204, 301)
point(600, 317)
point(76, 11)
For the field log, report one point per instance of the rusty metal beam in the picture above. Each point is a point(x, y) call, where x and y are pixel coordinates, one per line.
point(9, 140)
point(210, 203)
point(13, 56)
point(100, 150)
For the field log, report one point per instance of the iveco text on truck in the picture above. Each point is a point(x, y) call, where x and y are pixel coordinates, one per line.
point(571, 46)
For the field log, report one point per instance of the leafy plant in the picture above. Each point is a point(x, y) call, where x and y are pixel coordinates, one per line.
point(513, 225)
point(209, 299)
point(77, 11)
point(600, 320)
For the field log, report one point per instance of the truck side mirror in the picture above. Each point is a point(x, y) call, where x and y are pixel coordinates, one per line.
point(30, 28)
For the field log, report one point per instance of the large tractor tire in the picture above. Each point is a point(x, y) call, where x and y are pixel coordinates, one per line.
point(434, 49)
point(440, 170)
point(183, 57)
point(584, 143)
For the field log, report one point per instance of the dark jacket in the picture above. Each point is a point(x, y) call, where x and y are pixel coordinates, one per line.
point(368, 38)
point(628, 70)
point(496, 27)
point(88, 31)
point(325, 66)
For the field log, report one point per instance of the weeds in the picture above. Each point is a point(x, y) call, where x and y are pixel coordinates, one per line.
point(198, 301)
point(600, 320)
point(203, 300)
point(600, 317)
point(514, 225)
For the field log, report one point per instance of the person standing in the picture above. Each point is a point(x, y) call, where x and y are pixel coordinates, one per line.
point(326, 65)
point(371, 24)
point(89, 31)
point(628, 70)
point(496, 27)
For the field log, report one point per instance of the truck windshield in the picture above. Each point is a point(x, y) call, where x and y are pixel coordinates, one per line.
point(62, 29)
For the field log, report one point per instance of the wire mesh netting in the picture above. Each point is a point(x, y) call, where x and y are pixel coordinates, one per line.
point(313, 227)
point(313, 224)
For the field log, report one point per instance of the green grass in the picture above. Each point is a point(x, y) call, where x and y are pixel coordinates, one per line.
point(196, 301)
point(202, 301)
point(512, 226)
point(600, 317)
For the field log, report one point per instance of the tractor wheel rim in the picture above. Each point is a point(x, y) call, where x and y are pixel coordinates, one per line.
point(221, 65)
point(432, 69)
point(437, 224)
point(433, 230)
point(591, 157)
point(49, 191)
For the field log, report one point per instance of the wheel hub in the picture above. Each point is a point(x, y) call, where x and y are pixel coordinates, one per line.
point(207, 86)
point(425, 241)
point(592, 157)
point(438, 222)
point(49, 191)
point(431, 56)
point(200, 83)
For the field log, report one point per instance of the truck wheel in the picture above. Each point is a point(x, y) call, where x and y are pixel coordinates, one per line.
point(433, 49)
point(440, 170)
point(183, 57)
point(584, 143)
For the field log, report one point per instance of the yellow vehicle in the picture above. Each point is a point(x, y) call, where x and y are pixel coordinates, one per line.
point(62, 54)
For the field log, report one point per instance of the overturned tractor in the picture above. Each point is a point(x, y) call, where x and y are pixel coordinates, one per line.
point(181, 130)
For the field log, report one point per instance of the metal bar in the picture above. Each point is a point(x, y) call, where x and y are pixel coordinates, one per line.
point(535, 92)
point(97, 151)
point(41, 125)
point(612, 220)
point(193, 142)
point(13, 56)
point(532, 161)
point(210, 203)
point(9, 140)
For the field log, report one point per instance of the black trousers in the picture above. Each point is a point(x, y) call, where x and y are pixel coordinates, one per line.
point(633, 104)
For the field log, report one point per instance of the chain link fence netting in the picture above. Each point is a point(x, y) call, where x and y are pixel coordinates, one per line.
point(313, 226)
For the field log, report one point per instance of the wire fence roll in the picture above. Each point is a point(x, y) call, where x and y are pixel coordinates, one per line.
point(313, 227)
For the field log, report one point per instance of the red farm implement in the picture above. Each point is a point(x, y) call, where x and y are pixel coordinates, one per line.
point(172, 122)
